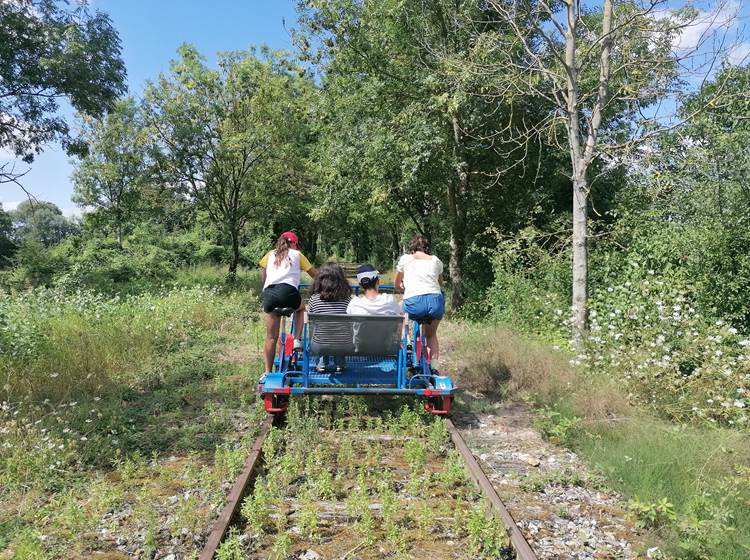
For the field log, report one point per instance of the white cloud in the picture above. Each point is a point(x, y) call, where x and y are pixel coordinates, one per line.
point(739, 54)
point(698, 30)
point(72, 212)
point(10, 204)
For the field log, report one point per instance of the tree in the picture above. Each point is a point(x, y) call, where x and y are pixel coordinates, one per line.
point(110, 177)
point(40, 222)
point(49, 52)
point(603, 70)
point(232, 139)
point(698, 184)
point(411, 133)
point(7, 247)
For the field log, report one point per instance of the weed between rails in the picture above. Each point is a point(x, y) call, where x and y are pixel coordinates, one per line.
point(341, 478)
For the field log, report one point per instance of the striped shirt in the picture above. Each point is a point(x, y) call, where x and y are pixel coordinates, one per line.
point(330, 333)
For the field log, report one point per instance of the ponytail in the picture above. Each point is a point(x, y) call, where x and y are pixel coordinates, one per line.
point(282, 250)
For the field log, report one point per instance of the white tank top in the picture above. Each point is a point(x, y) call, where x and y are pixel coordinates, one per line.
point(288, 272)
point(420, 275)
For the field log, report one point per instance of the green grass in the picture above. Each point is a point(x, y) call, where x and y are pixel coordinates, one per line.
point(152, 396)
point(699, 471)
point(703, 473)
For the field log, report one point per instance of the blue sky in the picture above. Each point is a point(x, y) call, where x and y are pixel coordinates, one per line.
point(151, 31)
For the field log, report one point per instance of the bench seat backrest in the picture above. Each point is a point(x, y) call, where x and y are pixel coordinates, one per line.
point(354, 335)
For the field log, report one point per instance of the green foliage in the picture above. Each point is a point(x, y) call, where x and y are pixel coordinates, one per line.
point(487, 536)
point(52, 50)
point(229, 137)
point(652, 515)
point(231, 548)
point(454, 471)
point(40, 223)
point(557, 427)
point(108, 179)
point(114, 337)
point(256, 509)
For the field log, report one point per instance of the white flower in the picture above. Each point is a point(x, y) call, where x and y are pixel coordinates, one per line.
point(744, 343)
point(53, 375)
point(739, 403)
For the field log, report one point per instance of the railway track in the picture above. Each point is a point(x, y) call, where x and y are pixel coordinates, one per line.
point(398, 471)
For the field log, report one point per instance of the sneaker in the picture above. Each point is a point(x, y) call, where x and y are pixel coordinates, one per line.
point(297, 344)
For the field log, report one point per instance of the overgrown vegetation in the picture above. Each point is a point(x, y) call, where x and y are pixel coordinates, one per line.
point(686, 484)
point(122, 417)
point(370, 476)
point(395, 117)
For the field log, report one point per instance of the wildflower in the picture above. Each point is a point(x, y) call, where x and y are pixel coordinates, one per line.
point(744, 342)
point(84, 438)
point(739, 403)
point(53, 375)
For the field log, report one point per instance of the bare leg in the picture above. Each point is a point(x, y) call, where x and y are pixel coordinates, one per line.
point(272, 334)
point(433, 346)
point(299, 321)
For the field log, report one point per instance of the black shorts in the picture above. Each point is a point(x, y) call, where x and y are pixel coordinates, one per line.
point(281, 295)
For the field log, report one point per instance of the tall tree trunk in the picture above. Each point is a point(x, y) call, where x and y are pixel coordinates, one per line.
point(234, 257)
point(456, 209)
point(580, 255)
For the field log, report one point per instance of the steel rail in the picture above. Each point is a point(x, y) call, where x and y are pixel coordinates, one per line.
point(517, 540)
point(234, 500)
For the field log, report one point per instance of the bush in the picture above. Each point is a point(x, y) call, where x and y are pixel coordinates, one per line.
point(653, 325)
point(57, 345)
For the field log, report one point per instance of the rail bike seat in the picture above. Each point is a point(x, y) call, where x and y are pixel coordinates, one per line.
point(284, 311)
point(355, 335)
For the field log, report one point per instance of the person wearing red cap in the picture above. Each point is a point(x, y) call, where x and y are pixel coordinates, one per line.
point(282, 268)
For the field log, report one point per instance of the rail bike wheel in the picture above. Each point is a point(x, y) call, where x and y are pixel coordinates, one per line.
point(276, 404)
point(440, 405)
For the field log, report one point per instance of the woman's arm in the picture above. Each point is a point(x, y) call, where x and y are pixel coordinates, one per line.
point(312, 271)
point(440, 280)
point(398, 283)
point(263, 276)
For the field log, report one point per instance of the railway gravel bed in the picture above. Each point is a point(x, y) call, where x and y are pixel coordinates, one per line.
point(560, 506)
point(349, 478)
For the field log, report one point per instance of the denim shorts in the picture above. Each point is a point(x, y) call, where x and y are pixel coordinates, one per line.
point(426, 306)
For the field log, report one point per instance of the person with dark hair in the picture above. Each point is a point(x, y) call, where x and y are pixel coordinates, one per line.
point(282, 268)
point(419, 275)
point(330, 294)
point(372, 302)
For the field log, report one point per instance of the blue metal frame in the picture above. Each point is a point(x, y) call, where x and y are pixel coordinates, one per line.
point(408, 373)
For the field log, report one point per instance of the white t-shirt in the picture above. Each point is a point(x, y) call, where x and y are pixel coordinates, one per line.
point(420, 275)
point(288, 272)
point(382, 304)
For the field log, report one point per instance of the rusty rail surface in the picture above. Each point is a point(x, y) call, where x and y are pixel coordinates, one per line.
point(234, 500)
point(517, 540)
